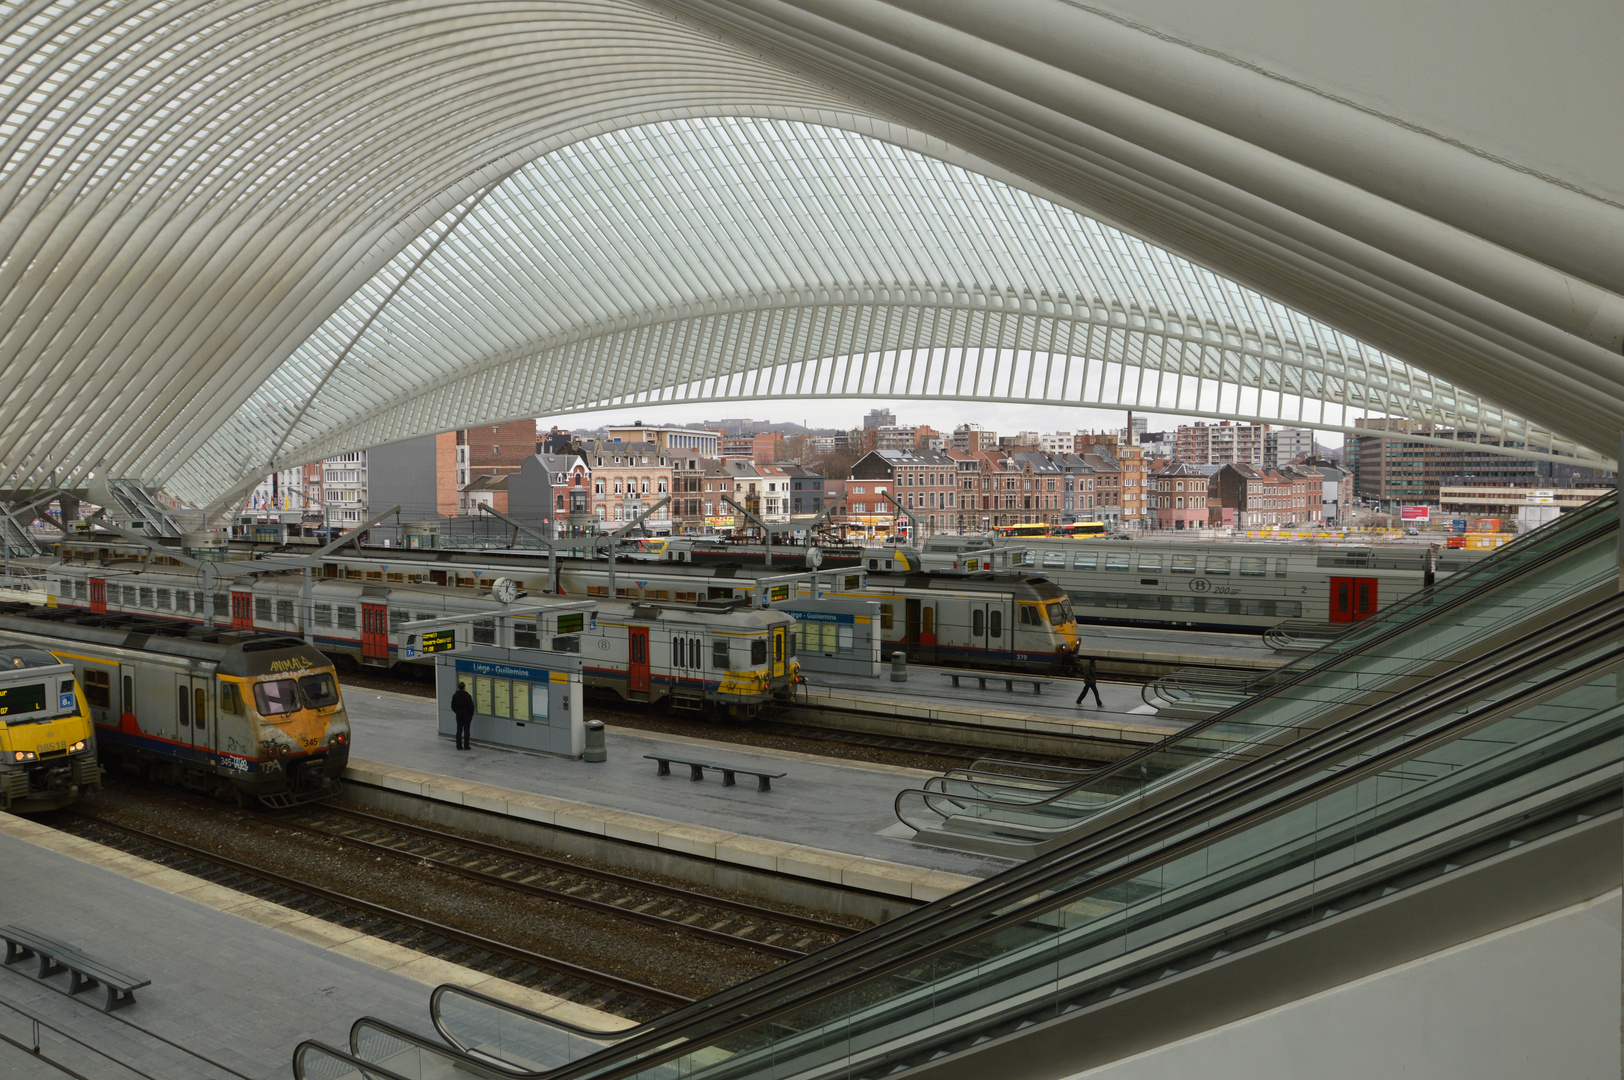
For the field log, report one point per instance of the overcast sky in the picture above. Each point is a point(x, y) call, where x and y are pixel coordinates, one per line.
point(944, 416)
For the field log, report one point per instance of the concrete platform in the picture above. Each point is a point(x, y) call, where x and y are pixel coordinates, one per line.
point(1146, 652)
point(929, 706)
point(825, 820)
point(237, 982)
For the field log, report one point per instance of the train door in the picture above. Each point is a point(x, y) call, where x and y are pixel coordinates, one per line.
point(778, 647)
point(1352, 599)
point(637, 659)
point(927, 632)
point(978, 626)
point(98, 595)
point(374, 632)
point(194, 724)
point(910, 626)
point(127, 715)
point(998, 634)
point(242, 610)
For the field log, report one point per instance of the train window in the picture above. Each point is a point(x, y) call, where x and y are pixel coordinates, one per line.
point(1183, 603)
point(1058, 613)
point(276, 697)
point(183, 706)
point(1249, 607)
point(1152, 601)
point(81, 589)
point(758, 651)
point(230, 698)
point(197, 603)
point(1116, 560)
point(1029, 558)
point(262, 609)
point(98, 689)
point(1279, 568)
point(1252, 566)
point(1054, 558)
point(129, 694)
point(146, 596)
point(873, 564)
point(324, 614)
point(1217, 605)
point(1290, 609)
point(127, 595)
point(398, 619)
point(320, 690)
point(525, 635)
point(485, 632)
point(222, 603)
point(1183, 564)
point(64, 589)
point(1029, 616)
point(978, 622)
point(719, 657)
point(778, 648)
point(1084, 560)
point(791, 646)
point(183, 600)
point(346, 617)
point(567, 644)
point(1150, 563)
point(284, 611)
point(995, 623)
point(1217, 564)
point(928, 626)
point(200, 709)
point(161, 598)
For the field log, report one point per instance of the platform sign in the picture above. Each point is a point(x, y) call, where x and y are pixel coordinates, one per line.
point(1415, 513)
point(438, 641)
point(22, 699)
point(571, 624)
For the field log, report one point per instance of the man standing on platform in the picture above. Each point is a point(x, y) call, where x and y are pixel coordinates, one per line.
point(462, 707)
point(1089, 672)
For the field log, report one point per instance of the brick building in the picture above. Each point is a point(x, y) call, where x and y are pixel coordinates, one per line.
point(1177, 494)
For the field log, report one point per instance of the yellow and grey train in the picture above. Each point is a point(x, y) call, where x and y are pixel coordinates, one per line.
point(47, 744)
point(237, 714)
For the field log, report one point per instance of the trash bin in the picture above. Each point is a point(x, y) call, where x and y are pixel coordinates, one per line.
point(595, 750)
point(899, 667)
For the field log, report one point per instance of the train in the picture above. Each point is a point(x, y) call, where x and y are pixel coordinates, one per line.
point(704, 654)
point(1206, 585)
point(238, 714)
point(48, 743)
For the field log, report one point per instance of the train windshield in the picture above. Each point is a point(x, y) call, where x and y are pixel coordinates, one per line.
point(1060, 613)
point(276, 697)
point(319, 691)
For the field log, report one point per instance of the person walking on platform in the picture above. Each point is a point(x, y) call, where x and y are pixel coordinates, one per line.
point(462, 707)
point(1089, 672)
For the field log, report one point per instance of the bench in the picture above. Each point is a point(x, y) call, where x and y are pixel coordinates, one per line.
point(1009, 681)
point(696, 771)
point(84, 972)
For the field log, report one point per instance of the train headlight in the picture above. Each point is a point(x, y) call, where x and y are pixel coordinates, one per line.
point(339, 738)
point(76, 747)
point(25, 755)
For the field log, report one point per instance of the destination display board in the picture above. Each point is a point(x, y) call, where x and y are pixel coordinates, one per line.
point(439, 641)
point(29, 697)
point(571, 624)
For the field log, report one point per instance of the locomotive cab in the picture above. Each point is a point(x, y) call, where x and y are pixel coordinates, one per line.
point(282, 721)
point(47, 744)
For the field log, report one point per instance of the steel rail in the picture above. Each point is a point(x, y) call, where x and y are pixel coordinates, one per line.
point(484, 877)
point(541, 960)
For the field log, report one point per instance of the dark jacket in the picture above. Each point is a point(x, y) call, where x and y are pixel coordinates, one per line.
point(462, 705)
point(1088, 671)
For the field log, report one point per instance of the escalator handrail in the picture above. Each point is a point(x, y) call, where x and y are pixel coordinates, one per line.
point(509, 1007)
point(366, 1068)
point(481, 1064)
point(1163, 822)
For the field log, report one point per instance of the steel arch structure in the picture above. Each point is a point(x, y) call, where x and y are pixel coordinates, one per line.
point(219, 222)
point(754, 257)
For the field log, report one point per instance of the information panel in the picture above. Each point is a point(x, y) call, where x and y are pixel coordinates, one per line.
point(571, 624)
point(29, 697)
point(439, 641)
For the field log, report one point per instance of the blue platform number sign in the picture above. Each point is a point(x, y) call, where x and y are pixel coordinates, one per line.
point(65, 700)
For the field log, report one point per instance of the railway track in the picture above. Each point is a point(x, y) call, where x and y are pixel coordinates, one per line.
point(731, 922)
point(561, 978)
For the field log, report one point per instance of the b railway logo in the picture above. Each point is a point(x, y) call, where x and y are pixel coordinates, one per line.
point(1200, 584)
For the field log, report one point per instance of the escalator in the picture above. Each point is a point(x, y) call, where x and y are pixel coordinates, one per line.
point(1438, 637)
point(1427, 811)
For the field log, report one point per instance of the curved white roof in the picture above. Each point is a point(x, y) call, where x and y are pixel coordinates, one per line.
point(235, 236)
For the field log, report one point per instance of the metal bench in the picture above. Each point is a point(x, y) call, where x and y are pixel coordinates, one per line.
point(84, 972)
point(696, 771)
point(1009, 681)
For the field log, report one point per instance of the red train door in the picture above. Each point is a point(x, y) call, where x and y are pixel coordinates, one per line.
point(1352, 599)
point(637, 659)
point(242, 610)
point(98, 595)
point(374, 632)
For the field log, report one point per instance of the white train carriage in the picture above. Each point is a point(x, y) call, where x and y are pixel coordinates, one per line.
point(693, 655)
point(1219, 585)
